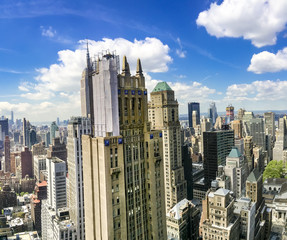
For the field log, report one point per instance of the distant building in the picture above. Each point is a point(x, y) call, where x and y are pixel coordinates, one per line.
point(4, 126)
point(57, 149)
point(269, 120)
point(229, 113)
point(212, 113)
point(7, 165)
point(248, 152)
point(26, 163)
point(54, 130)
point(193, 106)
point(280, 147)
point(236, 125)
point(240, 113)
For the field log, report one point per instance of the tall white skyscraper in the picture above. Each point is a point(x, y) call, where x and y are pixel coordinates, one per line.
point(56, 224)
point(75, 186)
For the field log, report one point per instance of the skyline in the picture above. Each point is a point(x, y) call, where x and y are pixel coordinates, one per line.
point(205, 52)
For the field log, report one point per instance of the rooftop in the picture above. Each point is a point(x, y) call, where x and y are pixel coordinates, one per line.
point(234, 153)
point(162, 86)
point(222, 192)
point(175, 211)
point(254, 176)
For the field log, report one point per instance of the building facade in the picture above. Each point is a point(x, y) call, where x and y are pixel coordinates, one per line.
point(123, 180)
point(163, 115)
point(76, 128)
point(193, 106)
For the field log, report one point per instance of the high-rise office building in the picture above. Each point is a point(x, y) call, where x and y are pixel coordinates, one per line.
point(54, 213)
point(269, 120)
point(240, 113)
point(25, 133)
point(216, 146)
point(163, 115)
point(212, 112)
point(4, 126)
point(248, 152)
point(57, 149)
point(54, 131)
point(26, 163)
point(123, 180)
point(7, 164)
point(236, 169)
point(229, 113)
point(236, 125)
point(193, 106)
point(76, 127)
point(280, 147)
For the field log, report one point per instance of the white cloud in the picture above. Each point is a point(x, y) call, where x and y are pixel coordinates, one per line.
point(48, 32)
point(268, 62)
point(60, 82)
point(184, 92)
point(258, 91)
point(256, 20)
point(65, 75)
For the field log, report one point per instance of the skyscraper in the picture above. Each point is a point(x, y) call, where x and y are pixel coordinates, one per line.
point(26, 163)
point(229, 113)
point(163, 115)
point(54, 131)
point(216, 146)
point(7, 154)
point(212, 112)
point(123, 180)
point(193, 106)
point(5, 126)
point(76, 127)
point(279, 150)
point(269, 120)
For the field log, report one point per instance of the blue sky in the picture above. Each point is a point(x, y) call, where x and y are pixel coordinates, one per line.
point(224, 51)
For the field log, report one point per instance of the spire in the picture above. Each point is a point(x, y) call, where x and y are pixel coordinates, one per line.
point(126, 67)
point(139, 67)
point(88, 56)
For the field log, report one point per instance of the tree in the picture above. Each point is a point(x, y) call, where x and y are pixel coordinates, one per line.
point(274, 169)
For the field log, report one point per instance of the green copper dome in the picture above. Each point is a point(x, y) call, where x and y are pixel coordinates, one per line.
point(161, 86)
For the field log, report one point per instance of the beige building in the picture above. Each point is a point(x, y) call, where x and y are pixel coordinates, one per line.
point(183, 221)
point(218, 220)
point(123, 174)
point(163, 115)
point(263, 214)
point(236, 125)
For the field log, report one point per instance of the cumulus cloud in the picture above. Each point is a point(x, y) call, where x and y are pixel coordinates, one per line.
point(60, 82)
point(184, 92)
point(255, 20)
point(48, 32)
point(258, 91)
point(268, 62)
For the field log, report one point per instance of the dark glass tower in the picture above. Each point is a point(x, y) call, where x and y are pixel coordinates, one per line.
point(193, 106)
point(216, 146)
